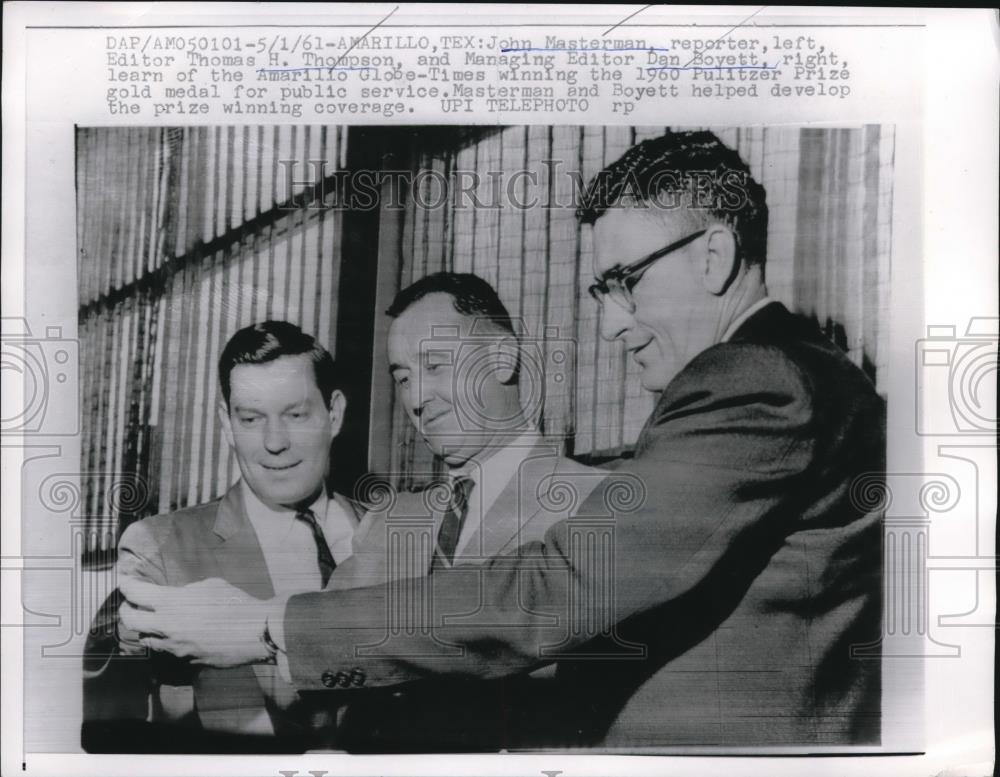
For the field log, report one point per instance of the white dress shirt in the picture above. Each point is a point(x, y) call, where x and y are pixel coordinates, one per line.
point(490, 477)
point(288, 545)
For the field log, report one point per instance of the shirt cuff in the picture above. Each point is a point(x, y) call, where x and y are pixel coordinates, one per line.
point(275, 623)
point(275, 620)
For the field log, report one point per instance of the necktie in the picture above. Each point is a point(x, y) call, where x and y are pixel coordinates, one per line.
point(323, 555)
point(454, 518)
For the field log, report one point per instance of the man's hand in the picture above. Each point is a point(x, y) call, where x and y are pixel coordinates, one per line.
point(211, 622)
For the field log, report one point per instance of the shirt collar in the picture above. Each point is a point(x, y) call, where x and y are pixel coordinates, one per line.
point(742, 317)
point(260, 513)
point(492, 474)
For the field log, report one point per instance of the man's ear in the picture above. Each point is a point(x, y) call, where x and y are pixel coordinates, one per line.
point(505, 355)
point(338, 406)
point(227, 425)
point(722, 259)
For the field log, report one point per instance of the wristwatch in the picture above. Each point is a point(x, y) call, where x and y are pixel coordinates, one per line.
point(269, 645)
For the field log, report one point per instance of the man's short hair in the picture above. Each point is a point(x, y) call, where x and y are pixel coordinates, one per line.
point(470, 296)
point(692, 171)
point(270, 340)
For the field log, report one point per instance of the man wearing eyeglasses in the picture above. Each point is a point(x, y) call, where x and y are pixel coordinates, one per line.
point(736, 600)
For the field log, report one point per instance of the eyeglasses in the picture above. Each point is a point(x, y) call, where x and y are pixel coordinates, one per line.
point(618, 282)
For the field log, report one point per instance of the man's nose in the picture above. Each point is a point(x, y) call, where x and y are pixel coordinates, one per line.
point(420, 404)
point(276, 438)
point(415, 398)
point(615, 320)
point(424, 393)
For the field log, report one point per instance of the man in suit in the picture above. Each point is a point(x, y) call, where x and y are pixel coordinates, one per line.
point(275, 532)
point(455, 359)
point(747, 573)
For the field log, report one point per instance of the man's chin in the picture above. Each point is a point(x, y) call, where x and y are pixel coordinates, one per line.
point(454, 449)
point(655, 378)
point(284, 497)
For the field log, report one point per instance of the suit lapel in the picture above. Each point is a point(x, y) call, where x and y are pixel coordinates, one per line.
point(353, 510)
point(231, 699)
point(517, 504)
point(411, 524)
point(238, 554)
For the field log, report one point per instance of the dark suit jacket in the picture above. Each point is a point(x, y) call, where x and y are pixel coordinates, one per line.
point(211, 540)
point(739, 583)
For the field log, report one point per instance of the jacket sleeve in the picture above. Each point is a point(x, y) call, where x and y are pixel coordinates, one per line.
point(139, 557)
point(117, 675)
point(716, 482)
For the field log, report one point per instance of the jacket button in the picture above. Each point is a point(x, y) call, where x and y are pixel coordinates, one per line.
point(357, 677)
point(343, 679)
point(329, 679)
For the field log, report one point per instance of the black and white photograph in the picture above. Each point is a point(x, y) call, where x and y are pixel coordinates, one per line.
point(410, 390)
point(460, 439)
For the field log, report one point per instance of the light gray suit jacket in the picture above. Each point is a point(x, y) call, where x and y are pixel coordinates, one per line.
point(215, 539)
point(397, 536)
point(395, 541)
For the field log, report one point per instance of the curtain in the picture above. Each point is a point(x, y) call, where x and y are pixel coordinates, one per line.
point(842, 239)
point(186, 235)
point(829, 194)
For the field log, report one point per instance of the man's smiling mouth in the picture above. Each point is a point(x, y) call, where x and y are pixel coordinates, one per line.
point(639, 349)
point(281, 468)
point(434, 419)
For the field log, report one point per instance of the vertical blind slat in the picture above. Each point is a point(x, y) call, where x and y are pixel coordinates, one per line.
point(147, 197)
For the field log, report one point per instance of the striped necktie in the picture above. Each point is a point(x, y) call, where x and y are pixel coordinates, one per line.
point(324, 557)
point(454, 518)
